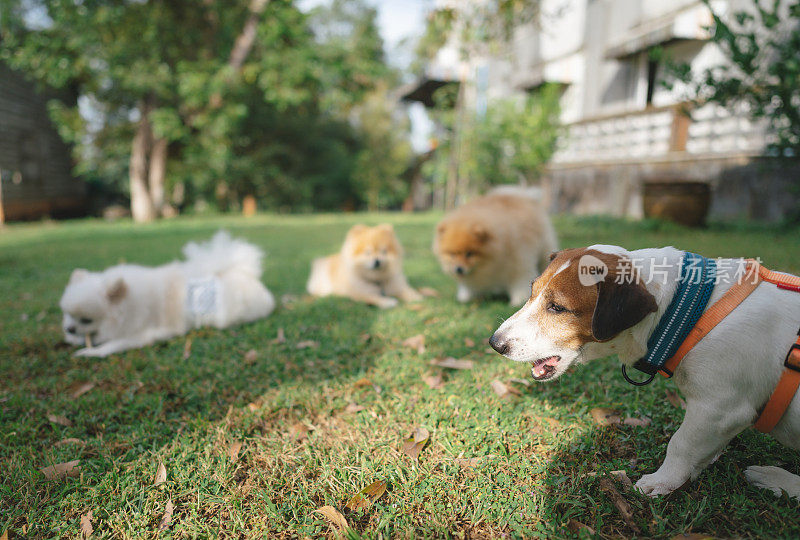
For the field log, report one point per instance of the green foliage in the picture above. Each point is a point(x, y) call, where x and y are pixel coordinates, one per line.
point(508, 144)
point(761, 46)
point(279, 128)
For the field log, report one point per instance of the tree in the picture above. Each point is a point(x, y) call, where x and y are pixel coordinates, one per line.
point(762, 69)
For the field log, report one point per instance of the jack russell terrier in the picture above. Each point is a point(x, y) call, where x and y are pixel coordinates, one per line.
point(641, 305)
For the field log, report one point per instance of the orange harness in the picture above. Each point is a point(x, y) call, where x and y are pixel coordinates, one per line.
point(790, 379)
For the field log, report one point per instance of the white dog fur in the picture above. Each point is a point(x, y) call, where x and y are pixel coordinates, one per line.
point(726, 378)
point(129, 306)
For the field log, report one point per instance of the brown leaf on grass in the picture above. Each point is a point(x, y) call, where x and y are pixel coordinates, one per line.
point(255, 405)
point(622, 506)
point(69, 440)
point(639, 422)
point(575, 527)
point(62, 470)
point(353, 408)
point(60, 420)
point(413, 445)
point(415, 307)
point(280, 338)
point(452, 363)
point(299, 431)
point(676, 400)
point(605, 417)
point(433, 381)
point(468, 463)
point(233, 450)
point(4, 536)
point(415, 342)
point(161, 475)
point(469, 343)
point(86, 524)
point(362, 382)
point(428, 291)
point(187, 348)
point(365, 338)
point(334, 517)
point(693, 536)
point(82, 389)
point(307, 344)
point(523, 382)
point(367, 496)
point(167, 518)
point(622, 476)
point(503, 390)
point(250, 356)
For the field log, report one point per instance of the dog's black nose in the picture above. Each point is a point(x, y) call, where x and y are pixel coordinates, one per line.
point(499, 343)
point(376, 264)
point(460, 270)
point(71, 329)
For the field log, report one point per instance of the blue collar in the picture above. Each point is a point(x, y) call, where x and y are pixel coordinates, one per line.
point(697, 279)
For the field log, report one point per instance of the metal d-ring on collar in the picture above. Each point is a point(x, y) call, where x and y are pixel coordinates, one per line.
point(697, 279)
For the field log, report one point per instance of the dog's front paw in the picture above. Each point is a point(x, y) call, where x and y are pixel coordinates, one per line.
point(658, 484)
point(463, 294)
point(387, 302)
point(89, 351)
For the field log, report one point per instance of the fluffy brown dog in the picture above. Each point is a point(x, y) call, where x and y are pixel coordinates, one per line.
point(496, 243)
point(369, 268)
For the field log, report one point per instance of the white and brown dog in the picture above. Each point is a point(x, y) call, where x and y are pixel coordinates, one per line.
point(726, 378)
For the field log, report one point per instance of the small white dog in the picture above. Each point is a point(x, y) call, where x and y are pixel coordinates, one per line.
point(129, 306)
point(726, 378)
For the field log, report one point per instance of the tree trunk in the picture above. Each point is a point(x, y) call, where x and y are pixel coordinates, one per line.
point(158, 171)
point(142, 208)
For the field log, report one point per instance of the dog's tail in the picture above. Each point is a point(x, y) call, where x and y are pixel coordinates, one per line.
point(223, 253)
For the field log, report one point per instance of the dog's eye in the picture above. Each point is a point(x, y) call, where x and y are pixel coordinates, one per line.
point(468, 254)
point(85, 320)
point(556, 308)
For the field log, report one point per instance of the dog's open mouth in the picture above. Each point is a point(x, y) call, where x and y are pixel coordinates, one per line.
point(544, 368)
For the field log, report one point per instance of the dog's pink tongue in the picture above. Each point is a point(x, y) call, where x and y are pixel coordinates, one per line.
point(540, 367)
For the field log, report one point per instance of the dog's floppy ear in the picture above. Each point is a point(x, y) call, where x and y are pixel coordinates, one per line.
point(619, 306)
point(77, 275)
point(117, 290)
point(356, 229)
point(481, 233)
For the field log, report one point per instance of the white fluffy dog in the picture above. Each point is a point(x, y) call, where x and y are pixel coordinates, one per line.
point(129, 306)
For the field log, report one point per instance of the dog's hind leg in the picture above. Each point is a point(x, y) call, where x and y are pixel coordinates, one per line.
point(774, 479)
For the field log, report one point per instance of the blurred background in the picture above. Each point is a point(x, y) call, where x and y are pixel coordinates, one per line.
point(679, 109)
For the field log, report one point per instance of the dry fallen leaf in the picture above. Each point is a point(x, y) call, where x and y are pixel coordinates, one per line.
point(281, 337)
point(61, 470)
point(353, 408)
point(86, 524)
point(187, 349)
point(428, 291)
point(622, 476)
point(468, 463)
point(452, 363)
point(299, 431)
point(640, 422)
point(251, 356)
point(575, 527)
point(676, 400)
point(70, 440)
point(620, 503)
point(693, 536)
point(362, 382)
point(605, 417)
point(503, 390)
point(307, 344)
point(367, 496)
point(415, 342)
point(165, 521)
point(233, 450)
point(469, 343)
point(433, 381)
point(523, 382)
point(4, 536)
point(60, 420)
point(82, 389)
point(413, 445)
point(334, 517)
point(161, 475)
point(255, 405)
point(415, 307)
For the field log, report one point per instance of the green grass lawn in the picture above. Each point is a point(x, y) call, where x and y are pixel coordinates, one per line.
point(318, 424)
